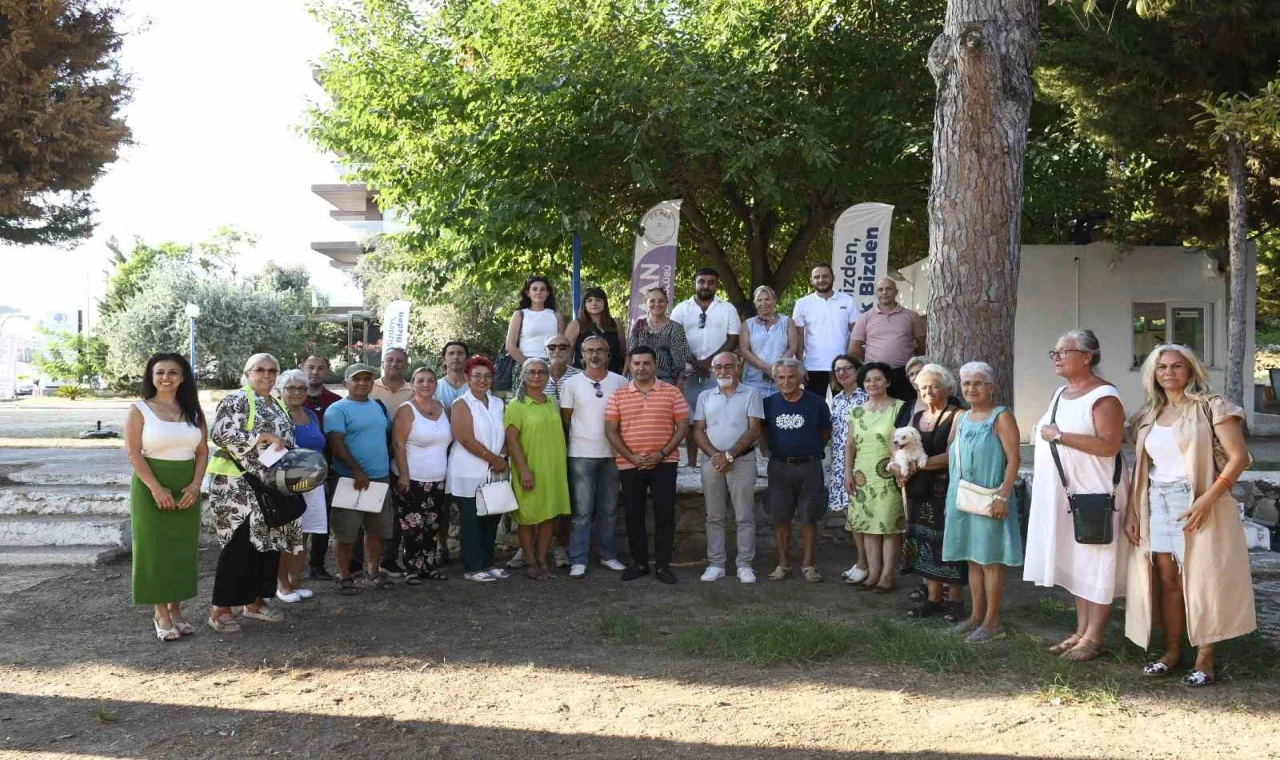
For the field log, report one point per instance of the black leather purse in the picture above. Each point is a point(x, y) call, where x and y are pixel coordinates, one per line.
point(1091, 513)
point(278, 509)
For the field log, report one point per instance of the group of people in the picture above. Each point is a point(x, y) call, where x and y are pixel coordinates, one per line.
point(577, 435)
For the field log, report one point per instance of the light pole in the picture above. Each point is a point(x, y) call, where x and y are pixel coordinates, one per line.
point(193, 311)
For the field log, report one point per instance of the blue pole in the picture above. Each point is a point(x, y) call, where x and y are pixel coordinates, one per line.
point(577, 273)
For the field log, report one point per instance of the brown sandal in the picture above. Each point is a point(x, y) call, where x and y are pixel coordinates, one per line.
point(780, 573)
point(1065, 645)
point(811, 574)
point(1083, 652)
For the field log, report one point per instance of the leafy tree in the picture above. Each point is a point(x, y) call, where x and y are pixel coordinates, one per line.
point(68, 356)
point(235, 322)
point(129, 270)
point(500, 128)
point(61, 91)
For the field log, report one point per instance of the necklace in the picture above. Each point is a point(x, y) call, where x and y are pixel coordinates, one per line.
point(167, 413)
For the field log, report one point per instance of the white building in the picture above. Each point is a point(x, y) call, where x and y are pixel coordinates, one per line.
point(1133, 300)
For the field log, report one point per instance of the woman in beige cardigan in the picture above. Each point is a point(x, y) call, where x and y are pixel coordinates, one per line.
point(1185, 522)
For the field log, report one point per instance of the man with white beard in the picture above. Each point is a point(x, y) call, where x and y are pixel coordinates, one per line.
point(726, 423)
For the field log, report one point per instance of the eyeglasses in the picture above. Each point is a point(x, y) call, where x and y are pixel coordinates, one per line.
point(843, 370)
point(295, 389)
point(265, 371)
point(702, 319)
point(1056, 355)
point(599, 390)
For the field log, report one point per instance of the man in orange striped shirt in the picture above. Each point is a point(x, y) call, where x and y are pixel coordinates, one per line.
point(645, 421)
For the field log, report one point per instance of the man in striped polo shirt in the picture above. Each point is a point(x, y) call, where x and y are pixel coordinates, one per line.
point(645, 421)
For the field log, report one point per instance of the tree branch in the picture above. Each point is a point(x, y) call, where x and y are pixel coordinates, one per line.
point(705, 239)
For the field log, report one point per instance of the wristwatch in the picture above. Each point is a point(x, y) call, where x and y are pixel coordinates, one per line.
point(1057, 438)
point(728, 457)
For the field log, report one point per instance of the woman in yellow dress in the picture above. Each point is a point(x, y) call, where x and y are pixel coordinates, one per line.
point(875, 501)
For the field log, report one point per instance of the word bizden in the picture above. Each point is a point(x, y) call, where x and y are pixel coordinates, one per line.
point(861, 257)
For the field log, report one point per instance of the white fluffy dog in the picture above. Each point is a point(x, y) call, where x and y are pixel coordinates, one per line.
point(908, 450)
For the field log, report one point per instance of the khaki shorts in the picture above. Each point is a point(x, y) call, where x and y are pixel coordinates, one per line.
point(345, 524)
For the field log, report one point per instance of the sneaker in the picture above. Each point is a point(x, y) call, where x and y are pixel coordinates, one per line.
point(392, 569)
point(305, 593)
point(480, 577)
point(560, 555)
point(746, 575)
point(517, 560)
point(578, 572)
point(614, 565)
point(712, 573)
point(320, 574)
point(982, 635)
point(287, 598)
point(855, 575)
point(498, 573)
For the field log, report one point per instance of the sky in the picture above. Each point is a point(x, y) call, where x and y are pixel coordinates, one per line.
point(221, 91)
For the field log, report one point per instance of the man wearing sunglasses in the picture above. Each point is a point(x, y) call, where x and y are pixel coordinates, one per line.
point(593, 475)
point(711, 326)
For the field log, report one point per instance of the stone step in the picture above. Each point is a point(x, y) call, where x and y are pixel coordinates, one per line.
point(64, 530)
point(44, 556)
point(64, 500)
point(71, 467)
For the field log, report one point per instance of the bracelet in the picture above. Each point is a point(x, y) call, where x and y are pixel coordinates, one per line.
point(1005, 499)
point(1225, 482)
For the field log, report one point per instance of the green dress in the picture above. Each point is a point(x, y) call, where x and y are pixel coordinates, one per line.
point(876, 507)
point(542, 438)
point(166, 543)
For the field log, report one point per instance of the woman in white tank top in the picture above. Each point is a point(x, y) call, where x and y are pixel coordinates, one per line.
point(166, 441)
point(536, 320)
point(1089, 430)
point(422, 436)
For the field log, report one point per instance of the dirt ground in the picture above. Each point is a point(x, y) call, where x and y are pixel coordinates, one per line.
point(569, 669)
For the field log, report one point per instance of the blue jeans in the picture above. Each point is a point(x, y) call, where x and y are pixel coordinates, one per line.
point(593, 490)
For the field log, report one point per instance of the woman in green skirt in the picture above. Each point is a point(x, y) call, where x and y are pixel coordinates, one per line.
point(166, 441)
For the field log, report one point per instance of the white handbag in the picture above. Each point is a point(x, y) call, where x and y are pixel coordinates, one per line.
point(495, 497)
point(971, 497)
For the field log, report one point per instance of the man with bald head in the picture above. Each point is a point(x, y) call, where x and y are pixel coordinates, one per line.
point(890, 333)
point(726, 423)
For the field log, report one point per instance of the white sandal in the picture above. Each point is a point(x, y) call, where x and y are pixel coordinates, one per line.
point(166, 634)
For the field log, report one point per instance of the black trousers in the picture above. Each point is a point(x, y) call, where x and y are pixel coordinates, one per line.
point(659, 484)
point(243, 572)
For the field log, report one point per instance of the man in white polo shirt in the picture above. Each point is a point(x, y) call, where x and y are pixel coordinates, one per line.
point(593, 475)
point(823, 320)
point(710, 327)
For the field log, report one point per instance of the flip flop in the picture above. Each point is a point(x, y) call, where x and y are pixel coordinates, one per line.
point(1065, 645)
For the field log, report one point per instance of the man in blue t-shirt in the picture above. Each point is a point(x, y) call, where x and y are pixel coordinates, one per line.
point(356, 429)
point(797, 426)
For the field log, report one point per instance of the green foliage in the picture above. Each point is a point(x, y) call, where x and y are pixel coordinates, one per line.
point(71, 392)
point(61, 91)
point(70, 357)
point(130, 269)
point(235, 322)
point(500, 128)
point(623, 628)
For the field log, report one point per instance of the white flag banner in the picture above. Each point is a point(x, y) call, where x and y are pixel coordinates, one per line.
point(860, 251)
point(395, 326)
point(10, 345)
point(654, 262)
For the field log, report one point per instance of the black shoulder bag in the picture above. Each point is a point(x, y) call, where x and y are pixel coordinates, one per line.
point(1090, 512)
point(278, 509)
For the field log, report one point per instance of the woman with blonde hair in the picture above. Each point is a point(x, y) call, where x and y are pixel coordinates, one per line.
point(1191, 450)
point(766, 337)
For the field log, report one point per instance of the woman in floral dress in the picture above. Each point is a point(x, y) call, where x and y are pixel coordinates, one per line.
point(244, 425)
point(875, 503)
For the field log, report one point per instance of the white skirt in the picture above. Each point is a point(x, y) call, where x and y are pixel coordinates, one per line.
point(316, 518)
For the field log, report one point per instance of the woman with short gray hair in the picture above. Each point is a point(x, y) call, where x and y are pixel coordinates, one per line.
point(1083, 428)
point(766, 337)
point(983, 453)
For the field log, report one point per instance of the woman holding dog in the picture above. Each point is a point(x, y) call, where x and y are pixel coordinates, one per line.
point(926, 493)
point(875, 501)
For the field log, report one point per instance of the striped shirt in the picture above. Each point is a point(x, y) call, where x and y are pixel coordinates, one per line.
point(646, 420)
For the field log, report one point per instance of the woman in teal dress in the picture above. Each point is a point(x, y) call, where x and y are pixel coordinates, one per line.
point(535, 441)
point(875, 501)
point(166, 442)
point(983, 451)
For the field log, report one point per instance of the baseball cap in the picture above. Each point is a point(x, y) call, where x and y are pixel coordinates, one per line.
point(356, 369)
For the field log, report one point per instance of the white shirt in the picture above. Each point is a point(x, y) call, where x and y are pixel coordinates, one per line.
point(1167, 465)
point(586, 430)
point(826, 323)
point(722, 321)
point(466, 471)
point(427, 447)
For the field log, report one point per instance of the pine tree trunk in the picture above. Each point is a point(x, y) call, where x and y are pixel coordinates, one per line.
point(982, 66)
point(1237, 242)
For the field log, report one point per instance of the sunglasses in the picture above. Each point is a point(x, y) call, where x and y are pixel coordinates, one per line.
point(557, 346)
point(599, 390)
point(702, 319)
